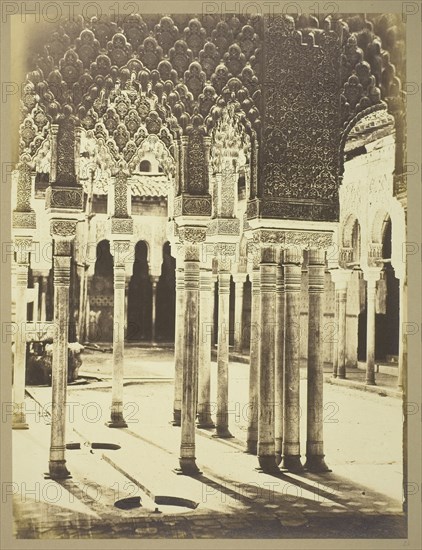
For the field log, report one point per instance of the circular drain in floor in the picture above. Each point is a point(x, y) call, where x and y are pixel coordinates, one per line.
point(176, 501)
point(293, 521)
point(106, 446)
point(128, 503)
point(72, 446)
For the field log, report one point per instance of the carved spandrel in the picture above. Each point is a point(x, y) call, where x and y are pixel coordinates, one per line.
point(66, 171)
point(24, 188)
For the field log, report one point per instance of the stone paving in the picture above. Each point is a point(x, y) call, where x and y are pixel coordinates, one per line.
point(361, 498)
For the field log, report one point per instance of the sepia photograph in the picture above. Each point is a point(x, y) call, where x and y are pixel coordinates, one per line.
point(209, 279)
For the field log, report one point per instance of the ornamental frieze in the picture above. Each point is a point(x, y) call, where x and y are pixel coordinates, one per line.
point(192, 234)
point(64, 197)
point(63, 228)
point(286, 238)
point(122, 226)
point(221, 226)
point(23, 220)
point(185, 205)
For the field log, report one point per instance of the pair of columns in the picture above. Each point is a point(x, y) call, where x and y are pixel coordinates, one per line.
point(341, 278)
point(193, 339)
point(274, 385)
point(206, 321)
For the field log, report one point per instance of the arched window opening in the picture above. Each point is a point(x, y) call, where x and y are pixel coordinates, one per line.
point(145, 166)
point(356, 242)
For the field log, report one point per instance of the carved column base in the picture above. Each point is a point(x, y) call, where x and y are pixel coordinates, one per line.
point(278, 457)
point(292, 463)
point(370, 381)
point(268, 464)
point(117, 423)
point(116, 418)
point(57, 469)
point(188, 467)
point(316, 463)
point(19, 419)
point(252, 446)
point(19, 425)
point(223, 433)
point(205, 420)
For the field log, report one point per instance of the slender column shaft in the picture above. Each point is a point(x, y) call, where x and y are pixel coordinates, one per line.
point(117, 419)
point(370, 330)
point(336, 335)
point(154, 307)
point(19, 363)
point(205, 325)
point(402, 334)
point(315, 405)
point(57, 463)
point(190, 361)
point(126, 303)
point(279, 364)
point(178, 345)
point(252, 437)
point(238, 317)
point(266, 443)
point(292, 283)
point(43, 311)
point(341, 342)
point(223, 354)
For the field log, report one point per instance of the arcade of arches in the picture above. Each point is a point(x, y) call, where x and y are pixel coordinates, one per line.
point(201, 180)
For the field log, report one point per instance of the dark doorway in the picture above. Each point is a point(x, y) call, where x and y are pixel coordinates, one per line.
point(139, 308)
point(101, 296)
point(387, 322)
point(166, 298)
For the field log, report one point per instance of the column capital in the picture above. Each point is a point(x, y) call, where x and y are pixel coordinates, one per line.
point(316, 256)
point(120, 249)
point(372, 274)
point(239, 278)
point(23, 246)
point(292, 256)
point(154, 279)
point(63, 228)
point(269, 254)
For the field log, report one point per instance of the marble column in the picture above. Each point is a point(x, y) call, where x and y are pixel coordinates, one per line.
point(43, 285)
point(178, 344)
point(279, 364)
point(266, 375)
point(206, 297)
point(154, 281)
point(120, 250)
point(291, 436)
point(239, 281)
point(335, 335)
point(22, 247)
point(252, 436)
point(340, 277)
point(402, 333)
point(223, 349)
point(341, 344)
point(23, 228)
point(190, 360)
point(61, 273)
point(315, 404)
point(371, 276)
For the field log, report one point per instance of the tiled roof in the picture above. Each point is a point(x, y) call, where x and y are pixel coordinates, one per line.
point(149, 186)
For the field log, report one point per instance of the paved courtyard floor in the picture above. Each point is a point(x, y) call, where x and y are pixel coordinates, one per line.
point(360, 498)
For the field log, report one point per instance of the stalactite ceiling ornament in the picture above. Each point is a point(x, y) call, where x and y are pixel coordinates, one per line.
point(137, 76)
